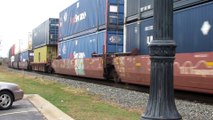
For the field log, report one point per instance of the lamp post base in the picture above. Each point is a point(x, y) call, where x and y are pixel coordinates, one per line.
point(161, 105)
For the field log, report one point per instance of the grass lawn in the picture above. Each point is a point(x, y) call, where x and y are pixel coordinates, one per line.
point(77, 103)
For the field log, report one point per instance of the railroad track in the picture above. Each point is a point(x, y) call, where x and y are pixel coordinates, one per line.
point(182, 95)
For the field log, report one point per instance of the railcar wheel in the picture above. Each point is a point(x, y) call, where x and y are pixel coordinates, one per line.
point(6, 100)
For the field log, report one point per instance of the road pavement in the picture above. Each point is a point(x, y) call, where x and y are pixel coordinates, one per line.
point(21, 110)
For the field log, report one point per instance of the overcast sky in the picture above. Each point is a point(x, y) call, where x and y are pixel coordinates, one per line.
point(19, 17)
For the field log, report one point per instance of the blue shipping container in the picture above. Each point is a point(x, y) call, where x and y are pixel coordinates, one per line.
point(46, 33)
point(88, 16)
point(26, 56)
point(192, 31)
point(142, 9)
point(85, 46)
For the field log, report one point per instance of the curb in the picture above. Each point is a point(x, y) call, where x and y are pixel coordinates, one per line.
point(46, 108)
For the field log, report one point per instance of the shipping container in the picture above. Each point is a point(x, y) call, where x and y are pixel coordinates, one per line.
point(45, 54)
point(46, 33)
point(85, 46)
point(88, 16)
point(142, 9)
point(192, 31)
point(11, 51)
point(26, 56)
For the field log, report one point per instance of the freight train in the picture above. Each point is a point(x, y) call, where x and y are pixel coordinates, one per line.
point(108, 39)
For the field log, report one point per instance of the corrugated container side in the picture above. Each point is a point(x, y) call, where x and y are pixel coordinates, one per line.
point(115, 42)
point(180, 4)
point(142, 9)
point(88, 16)
point(132, 36)
point(45, 54)
point(192, 31)
point(85, 46)
point(146, 27)
point(115, 12)
point(46, 33)
point(131, 9)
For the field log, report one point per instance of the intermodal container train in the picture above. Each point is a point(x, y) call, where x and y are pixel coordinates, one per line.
point(20, 60)
point(89, 28)
point(110, 41)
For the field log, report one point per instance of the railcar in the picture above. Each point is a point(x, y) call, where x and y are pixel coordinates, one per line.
point(99, 32)
point(44, 44)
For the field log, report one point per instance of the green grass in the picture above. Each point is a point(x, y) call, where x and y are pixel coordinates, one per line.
point(77, 103)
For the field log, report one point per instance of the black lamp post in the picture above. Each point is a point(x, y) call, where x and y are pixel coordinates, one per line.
point(161, 104)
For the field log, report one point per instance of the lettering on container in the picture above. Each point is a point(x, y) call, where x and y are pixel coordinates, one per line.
point(79, 17)
point(65, 16)
point(146, 8)
point(113, 8)
point(149, 39)
point(78, 5)
point(148, 28)
point(114, 39)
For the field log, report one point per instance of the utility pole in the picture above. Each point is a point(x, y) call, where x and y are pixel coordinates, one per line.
point(161, 104)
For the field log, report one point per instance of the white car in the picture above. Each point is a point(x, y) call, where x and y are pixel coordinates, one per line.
point(9, 92)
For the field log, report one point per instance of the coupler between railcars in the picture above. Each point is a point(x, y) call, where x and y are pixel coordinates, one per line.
point(111, 67)
point(108, 67)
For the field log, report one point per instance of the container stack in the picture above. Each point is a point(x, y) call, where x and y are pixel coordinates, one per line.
point(138, 29)
point(44, 44)
point(44, 41)
point(91, 26)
